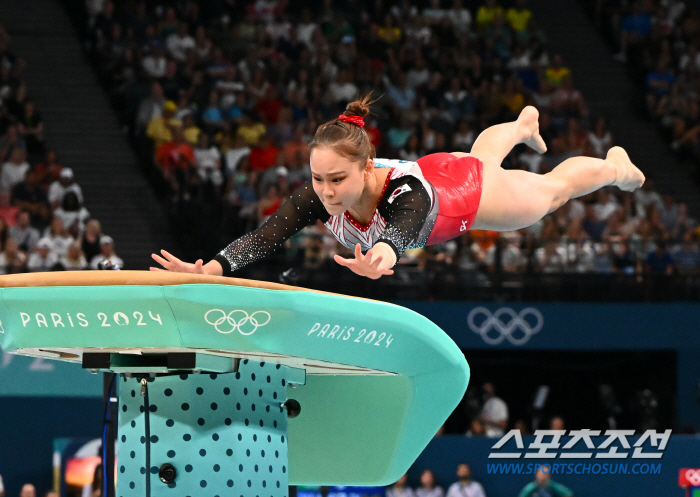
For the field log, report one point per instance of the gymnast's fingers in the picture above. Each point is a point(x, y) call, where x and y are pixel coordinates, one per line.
point(171, 257)
point(342, 261)
point(162, 262)
point(158, 269)
point(358, 251)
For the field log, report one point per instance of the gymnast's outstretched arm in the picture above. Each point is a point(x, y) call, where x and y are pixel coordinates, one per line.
point(302, 209)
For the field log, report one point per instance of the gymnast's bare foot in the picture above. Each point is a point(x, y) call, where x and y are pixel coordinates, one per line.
point(528, 122)
point(629, 178)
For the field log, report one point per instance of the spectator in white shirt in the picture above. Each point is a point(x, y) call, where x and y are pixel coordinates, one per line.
point(13, 170)
point(59, 237)
point(181, 43)
point(234, 154)
point(465, 486)
point(155, 64)
point(64, 184)
point(208, 160)
point(342, 89)
point(73, 214)
point(43, 258)
point(107, 254)
point(494, 413)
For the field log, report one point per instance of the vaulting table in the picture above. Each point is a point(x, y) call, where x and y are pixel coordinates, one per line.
point(239, 387)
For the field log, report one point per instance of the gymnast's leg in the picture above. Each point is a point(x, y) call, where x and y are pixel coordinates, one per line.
point(514, 199)
point(496, 142)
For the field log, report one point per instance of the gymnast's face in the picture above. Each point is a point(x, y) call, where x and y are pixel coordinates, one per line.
point(337, 181)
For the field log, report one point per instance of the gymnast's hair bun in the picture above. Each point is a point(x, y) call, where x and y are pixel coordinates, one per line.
point(359, 107)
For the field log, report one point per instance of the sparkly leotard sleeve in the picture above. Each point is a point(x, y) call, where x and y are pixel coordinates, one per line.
point(403, 219)
point(302, 209)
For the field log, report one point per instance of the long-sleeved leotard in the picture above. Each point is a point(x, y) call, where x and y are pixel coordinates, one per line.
point(403, 219)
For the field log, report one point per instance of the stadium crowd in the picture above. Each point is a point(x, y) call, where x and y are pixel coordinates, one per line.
point(44, 225)
point(222, 100)
point(660, 41)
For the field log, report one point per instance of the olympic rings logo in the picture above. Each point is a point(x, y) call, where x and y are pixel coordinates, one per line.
point(237, 320)
point(529, 321)
point(693, 477)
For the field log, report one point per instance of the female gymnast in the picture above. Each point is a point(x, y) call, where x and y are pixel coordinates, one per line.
point(383, 207)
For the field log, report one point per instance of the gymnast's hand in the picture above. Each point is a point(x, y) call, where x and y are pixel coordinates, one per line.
point(374, 264)
point(172, 263)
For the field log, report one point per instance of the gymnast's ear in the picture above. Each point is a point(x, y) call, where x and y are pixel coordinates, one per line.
point(369, 167)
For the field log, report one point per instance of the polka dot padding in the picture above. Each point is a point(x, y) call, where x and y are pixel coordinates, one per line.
point(225, 434)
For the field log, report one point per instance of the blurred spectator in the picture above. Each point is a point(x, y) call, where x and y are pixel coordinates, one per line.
point(90, 242)
point(12, 259)
point(658, 85)
point(264, 155)
point(106, 254)
point(476, 429)
point(687, 255)
point(74, 258)
point(593, 226)
point(465, 486)
point(487, 13)
point(13, 170)
point(208, 160)
point(64, 184)
point(29, 196)
point(543, 486)
point(155, 63)
point(2, 488)
point(43, 258)
point(251, 130)
point(428, 485)
point(635, 28)
point(159, 128)
point(28, 490)
point(557, 423)
point(59, 237)
point(11, 141)
point(237, 151)
point(31, 127)
point(25, 235)
point(600, 138)
point(494, 413)
point(400, 489)
point(659, 261)
point(73, 214)
point(48, 170)
point(150, 108)
point(180, 44)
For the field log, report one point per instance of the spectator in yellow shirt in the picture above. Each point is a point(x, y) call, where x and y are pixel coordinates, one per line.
point(390, 33)
point(250, 130)
point(557, 71)
point(190, 130)
point(486, 13)
point(518, 18)
point(513, 97)
point(159, 128)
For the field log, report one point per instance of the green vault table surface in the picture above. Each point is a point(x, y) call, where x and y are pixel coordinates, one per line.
point(375, 381)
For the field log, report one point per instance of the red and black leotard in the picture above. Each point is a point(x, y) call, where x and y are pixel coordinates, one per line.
point(423, 203)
